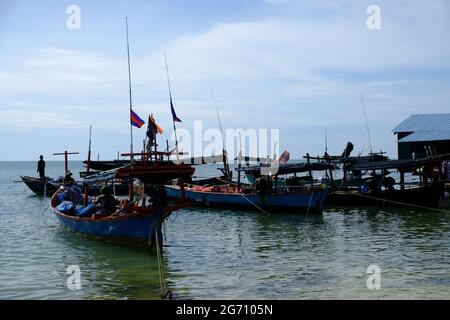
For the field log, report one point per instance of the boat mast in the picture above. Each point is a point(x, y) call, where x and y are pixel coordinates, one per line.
point(173, 120)
point(129, 85)
point(367, 124)
point(88, 167)
point(326, 152)
point(226, 169)
point(66, 159)
point(239, 163)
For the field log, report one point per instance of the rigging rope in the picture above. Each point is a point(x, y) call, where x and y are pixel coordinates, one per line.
point(262, 210)
point(310, 199)
point(402, 203)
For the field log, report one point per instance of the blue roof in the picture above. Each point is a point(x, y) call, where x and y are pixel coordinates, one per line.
point(426, 136)
point(424, 122)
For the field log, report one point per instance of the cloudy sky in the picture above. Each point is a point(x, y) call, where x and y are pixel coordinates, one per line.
point(299, 66)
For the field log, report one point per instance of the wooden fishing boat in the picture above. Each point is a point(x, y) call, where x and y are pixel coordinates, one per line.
point(370, 182)
point(50, 186)
point(228, 196)
point(137, 220)
point(424, 196)
point(41, 187)
point(131, 224)
point(302, 201)
point(386, 191)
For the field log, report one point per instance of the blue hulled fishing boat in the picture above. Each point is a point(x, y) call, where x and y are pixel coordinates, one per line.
point(309, 199)
point(137, 218)
point(133, 223)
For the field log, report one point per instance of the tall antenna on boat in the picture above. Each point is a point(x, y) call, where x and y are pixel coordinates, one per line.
point(88, 167)
point(274, 150)
point(218, 117)
point(129, 84)
point(367, 124)
point(173, 120)
point(326, 142)
point(239, 163)
point(225, 162)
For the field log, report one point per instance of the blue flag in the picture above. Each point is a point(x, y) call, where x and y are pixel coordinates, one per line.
point(174, 115)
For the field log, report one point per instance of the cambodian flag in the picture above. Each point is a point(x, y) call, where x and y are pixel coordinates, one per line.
point(135, 120)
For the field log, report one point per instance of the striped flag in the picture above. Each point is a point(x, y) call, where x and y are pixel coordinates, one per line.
point(136, 120)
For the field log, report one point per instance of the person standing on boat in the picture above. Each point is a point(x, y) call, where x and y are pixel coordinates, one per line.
point(41, 167)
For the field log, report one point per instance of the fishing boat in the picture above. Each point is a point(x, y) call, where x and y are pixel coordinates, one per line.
point(49, 186)
point(387, 191)
point(264, 194)
point(373, 181)
point(41, 187)
point(228, 196)
point(137, 219)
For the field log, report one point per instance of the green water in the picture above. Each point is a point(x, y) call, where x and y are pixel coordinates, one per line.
point(224, 254)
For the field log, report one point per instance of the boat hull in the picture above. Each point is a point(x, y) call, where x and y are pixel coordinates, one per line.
point(280, 202)
point(135, 230)
point(426, 196)
point(39, 187)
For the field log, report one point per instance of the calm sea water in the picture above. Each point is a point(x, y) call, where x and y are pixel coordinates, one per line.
point(222, 254)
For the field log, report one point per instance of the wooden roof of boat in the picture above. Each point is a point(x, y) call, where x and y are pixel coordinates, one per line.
point(406, 164)
point(151, 173)
point(288, 168)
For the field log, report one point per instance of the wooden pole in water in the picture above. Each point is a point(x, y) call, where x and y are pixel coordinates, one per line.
point(309, 168)
point(167, 148)
point(402, 180)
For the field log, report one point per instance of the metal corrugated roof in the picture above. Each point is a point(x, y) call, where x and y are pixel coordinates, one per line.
point(425, 122)
point(426, 136)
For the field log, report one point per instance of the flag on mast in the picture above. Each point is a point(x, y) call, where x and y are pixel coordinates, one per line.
point(174, 115)
point(153, 129)
point(136, 120)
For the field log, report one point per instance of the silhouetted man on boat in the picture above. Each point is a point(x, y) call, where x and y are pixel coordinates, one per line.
point(41, 167)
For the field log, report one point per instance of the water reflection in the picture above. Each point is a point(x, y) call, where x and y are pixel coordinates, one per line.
point(112, 270)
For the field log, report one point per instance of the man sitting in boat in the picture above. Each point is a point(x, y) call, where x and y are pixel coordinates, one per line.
point(106, 202)
point(68, 180)
point(263, 184)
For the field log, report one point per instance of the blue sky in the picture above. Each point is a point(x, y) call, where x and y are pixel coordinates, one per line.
point(296, 66)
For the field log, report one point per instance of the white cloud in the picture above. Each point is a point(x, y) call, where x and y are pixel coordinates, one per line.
point(295, 69)
point(33, 119)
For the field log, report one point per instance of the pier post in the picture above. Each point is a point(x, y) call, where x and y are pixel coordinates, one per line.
point(309, 168)
point(402, 180)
